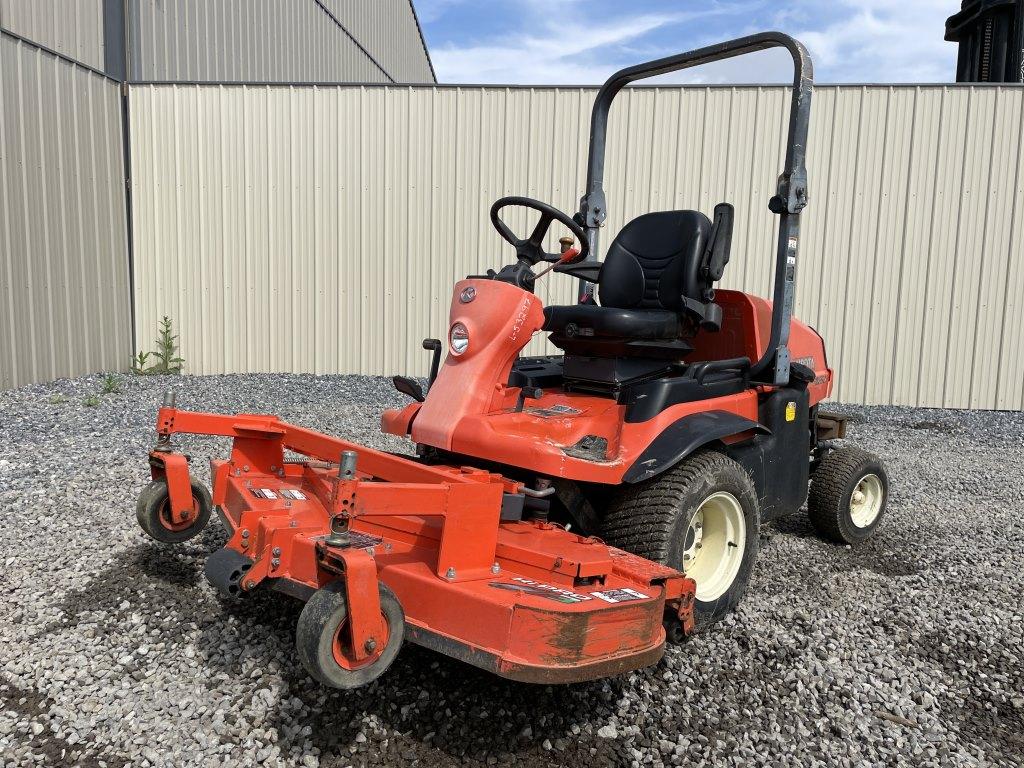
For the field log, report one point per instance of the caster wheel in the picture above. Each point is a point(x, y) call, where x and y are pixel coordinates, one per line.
point(674, 631)
point(153, 511)
point(849, 491)
point(323, 643)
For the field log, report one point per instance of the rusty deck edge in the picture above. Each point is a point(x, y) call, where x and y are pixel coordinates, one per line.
point(527, 673)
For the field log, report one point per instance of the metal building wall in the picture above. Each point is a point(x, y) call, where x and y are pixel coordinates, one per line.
point(320, 228)
point(64, 295)
point(389, 30)
point(274, 41)
point(73, 28)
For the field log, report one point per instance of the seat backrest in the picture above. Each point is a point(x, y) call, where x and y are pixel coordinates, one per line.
point(656, 260)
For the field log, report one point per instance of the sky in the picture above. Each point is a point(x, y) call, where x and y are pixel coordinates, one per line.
point(575, 42)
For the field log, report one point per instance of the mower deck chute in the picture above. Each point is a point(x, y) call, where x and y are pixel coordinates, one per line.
point(525, 599)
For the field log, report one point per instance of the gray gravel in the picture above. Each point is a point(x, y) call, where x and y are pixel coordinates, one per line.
point(114, 651)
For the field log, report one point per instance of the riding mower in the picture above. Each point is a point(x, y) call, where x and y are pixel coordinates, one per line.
point(563, 515)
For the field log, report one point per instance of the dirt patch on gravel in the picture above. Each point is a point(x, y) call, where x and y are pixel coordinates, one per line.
point(934, 426)
point(985, 689)
point(29, 705)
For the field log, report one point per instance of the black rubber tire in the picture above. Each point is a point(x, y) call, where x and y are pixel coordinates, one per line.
point(832, 485)
point(650, 519)
point(152, 503)
point(318, 623)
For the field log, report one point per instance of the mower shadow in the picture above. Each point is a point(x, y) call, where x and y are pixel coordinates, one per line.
point(445, 713)
point(173, 573)
point(883, 553)
point(427, 707)
point(439, 711)
point(796, 524)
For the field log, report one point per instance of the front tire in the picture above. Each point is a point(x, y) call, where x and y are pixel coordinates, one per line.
point(153, 511)
point(701, 517)
point(848, 496)
point(322, 640)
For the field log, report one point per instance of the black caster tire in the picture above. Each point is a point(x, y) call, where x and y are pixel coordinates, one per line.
point(848, 496)
point(701, 517)
point(323, 645)
point(153, 513)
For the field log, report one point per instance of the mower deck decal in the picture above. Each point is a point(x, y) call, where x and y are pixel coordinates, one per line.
point(540, 589)
point(553, 412)
point(284, 493)
point(623, 595)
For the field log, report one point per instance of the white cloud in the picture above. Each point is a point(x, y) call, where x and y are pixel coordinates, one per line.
point(559, 53)
point(850, 41)
point(882, 41)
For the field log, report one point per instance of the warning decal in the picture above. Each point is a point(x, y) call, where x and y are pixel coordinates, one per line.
point(540, 589)
point(553, 412)
point(623, 595)
point(283, 493)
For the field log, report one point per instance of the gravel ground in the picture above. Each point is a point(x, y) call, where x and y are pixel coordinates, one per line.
point(115, 651)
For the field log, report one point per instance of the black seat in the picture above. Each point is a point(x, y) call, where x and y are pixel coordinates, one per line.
point(655, 288)
point(603, 322)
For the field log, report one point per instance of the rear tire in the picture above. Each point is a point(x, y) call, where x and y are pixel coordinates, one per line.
point(848, 496)
point(322, 641)
point(701, 517)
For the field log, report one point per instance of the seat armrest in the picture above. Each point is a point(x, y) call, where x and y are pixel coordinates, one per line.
point(709, 314)
point(584, 270)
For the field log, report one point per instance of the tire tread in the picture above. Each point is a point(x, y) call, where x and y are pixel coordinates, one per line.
point(147, 512)
point(829, 485)
point(642, 517)
point(313, 622)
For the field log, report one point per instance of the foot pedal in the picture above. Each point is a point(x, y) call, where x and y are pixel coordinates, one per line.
point(225, 570)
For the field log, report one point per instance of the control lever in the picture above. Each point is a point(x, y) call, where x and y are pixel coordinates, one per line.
point(569, 255)
point(433, 345)
point(528, 393)
point(409, 387)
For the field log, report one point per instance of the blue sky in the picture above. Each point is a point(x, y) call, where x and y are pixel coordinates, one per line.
point(583, 41)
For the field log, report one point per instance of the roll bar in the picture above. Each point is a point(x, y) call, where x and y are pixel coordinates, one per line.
point(791, 194)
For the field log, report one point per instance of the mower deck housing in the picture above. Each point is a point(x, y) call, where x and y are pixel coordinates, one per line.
point(527, 600)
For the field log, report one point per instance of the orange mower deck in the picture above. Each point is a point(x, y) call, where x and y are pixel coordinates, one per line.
point(527, 600)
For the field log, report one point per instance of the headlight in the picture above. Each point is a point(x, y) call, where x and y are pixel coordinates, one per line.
point(458, 339)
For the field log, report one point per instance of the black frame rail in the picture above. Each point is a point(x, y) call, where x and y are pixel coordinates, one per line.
point(791, 194)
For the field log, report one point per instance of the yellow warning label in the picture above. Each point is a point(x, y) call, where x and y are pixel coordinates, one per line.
point(790, 411)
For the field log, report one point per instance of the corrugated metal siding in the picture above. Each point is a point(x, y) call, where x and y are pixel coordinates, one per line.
point(71, 27)
point(64, 296)
point(388, 30)
point(320, 229)
point(250, 40)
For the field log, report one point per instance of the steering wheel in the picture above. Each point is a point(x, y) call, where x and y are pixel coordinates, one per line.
point(530, 249)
